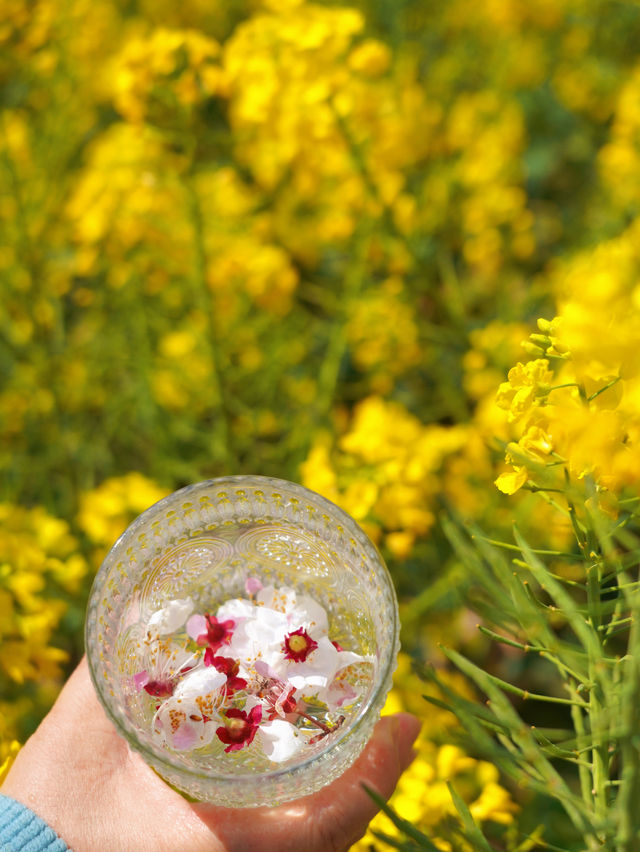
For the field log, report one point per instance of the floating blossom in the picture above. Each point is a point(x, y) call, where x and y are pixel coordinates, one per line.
point(229, 667)
point(321, 667)
point(264, 666)
point(259, 634)
point(183, 722)
point(298, 645)
point(207, 630)
point(165, 661)
point(299, 610)
point(280, 740)
point(239, 728)
point(171, 617)
point(278, 696)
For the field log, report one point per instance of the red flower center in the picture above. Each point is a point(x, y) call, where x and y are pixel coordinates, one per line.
point(239, 728)
point(298, 645)
point(159, 688)
point(218, 632)
point(227, 666)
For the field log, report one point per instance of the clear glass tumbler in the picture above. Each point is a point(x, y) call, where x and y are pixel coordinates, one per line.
point(208, 544)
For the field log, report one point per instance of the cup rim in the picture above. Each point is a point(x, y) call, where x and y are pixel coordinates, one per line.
point(164, 758)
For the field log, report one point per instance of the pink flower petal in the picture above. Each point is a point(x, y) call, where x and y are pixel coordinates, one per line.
point(185, 737)
point(140, 679)
point(252, 585)
point(180, 725)
point(196, 626)
point(265, 670)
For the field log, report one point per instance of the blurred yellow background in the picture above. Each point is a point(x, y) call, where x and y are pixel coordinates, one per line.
point(306, 240)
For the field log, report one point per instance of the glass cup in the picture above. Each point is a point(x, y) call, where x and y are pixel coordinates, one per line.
point(210, 543)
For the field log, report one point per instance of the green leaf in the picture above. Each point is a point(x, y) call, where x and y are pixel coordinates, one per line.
point(531, 754)
point(473, 833)
point(455, 577)
point(403, 825)
point(561, 597)
point(477, 740)
point(394, 842)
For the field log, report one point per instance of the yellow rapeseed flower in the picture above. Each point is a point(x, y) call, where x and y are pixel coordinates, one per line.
point(107, 510)
point(160, 78)
point(527, 386)
point(8, 751)
point(39, 562)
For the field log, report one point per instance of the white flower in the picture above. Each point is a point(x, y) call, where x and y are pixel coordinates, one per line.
point(163, 664)
point(196, 626)
point(258, 636)
point(236, 608)
point(202, 685)
point(171, 617)
point(320, 667)
point(257, 662)
point(184, 721)
point(261, 635)
point(300, 610)
point(280, 740)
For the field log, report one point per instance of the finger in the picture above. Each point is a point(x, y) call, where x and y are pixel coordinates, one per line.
point(334, 817)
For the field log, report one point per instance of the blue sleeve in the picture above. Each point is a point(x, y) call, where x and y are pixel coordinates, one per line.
point(22, 831)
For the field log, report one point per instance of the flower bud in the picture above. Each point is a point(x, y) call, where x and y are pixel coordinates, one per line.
point(541, 340)
point(532, 349)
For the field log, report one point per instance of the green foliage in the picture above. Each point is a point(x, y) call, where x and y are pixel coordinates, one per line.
point(587, 630)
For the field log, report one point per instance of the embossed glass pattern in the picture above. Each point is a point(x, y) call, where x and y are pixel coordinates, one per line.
point(204, 542)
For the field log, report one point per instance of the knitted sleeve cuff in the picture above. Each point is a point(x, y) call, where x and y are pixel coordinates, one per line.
point(22, 831)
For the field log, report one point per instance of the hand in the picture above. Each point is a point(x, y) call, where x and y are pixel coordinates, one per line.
point(82, 779)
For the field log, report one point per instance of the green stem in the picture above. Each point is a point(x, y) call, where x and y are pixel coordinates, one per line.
point(506, 641)
point(597, 701)
point(554, 504)
point(534, 696)
point(612, 625)
point(546, 653)
point(507, 546)
point(567, 385)
point(583, 772)
point(337, 344)
point(564, 669)
point(221, 415)
point(603, 389)
point(627, 802)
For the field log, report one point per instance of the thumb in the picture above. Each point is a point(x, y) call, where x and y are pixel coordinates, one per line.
point(334, 817)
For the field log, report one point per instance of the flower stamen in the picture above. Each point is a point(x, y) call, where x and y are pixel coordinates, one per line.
point(298, 645)
point(239, 728)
